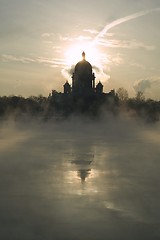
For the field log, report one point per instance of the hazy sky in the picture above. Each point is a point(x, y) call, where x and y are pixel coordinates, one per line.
point(37, 38)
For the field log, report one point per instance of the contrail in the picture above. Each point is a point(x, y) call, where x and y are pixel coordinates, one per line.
point(122, 20)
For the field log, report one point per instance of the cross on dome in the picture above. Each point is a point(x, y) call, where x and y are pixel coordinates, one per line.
point(83, 55)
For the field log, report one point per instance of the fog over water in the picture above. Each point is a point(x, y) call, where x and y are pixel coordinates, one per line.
point(77, 179)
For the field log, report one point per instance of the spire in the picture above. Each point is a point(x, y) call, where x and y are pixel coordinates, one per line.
point(83, 55)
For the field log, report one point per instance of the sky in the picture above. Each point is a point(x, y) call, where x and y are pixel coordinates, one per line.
point(42, 40)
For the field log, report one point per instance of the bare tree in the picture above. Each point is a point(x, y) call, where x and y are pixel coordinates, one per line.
point(122, 94)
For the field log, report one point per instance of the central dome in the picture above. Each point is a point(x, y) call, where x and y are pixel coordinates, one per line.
point(83, 66)
point(83, 79)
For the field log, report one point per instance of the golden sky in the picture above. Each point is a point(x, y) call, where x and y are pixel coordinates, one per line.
point(41, 40)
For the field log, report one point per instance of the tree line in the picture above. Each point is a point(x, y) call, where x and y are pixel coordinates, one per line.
point(19, 107)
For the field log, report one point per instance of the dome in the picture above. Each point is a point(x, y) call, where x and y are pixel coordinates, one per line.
point(83, 78)
point(83, 67)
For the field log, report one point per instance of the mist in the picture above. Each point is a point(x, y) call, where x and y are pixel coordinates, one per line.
point(79, 179)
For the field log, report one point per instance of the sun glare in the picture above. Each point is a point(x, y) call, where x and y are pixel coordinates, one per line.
point(92, 54)
point(74, 54)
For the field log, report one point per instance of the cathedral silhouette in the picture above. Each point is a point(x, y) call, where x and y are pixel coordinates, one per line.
point(82, 90)
point(83, 80)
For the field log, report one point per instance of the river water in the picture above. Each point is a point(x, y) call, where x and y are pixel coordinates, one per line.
point(80, 180)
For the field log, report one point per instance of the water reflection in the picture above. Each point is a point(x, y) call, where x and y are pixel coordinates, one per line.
point(83, 174)
point(83, 163)
point(81, 171)
point(73, 187)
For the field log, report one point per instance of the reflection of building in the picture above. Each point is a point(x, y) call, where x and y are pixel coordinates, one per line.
point(83, 174)
point(82, 89)
point(83, 162)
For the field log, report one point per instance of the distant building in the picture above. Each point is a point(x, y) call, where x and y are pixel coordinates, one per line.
point(82, 88)
point(83, 80)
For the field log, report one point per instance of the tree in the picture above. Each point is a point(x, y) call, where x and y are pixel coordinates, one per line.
point(140, 96)
point(122, 94)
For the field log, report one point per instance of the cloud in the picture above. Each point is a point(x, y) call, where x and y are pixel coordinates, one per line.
point(46, 35)
point(142, 85)
point(116, 60)
point(91, 31)
point(57, 49)
point(67, 72)
point(137, 65)
point(132, 44)
point(74, 39)
point(11, 58)
point(117, 22)
point(150, 87)
point(97, 69)
point(55, 62)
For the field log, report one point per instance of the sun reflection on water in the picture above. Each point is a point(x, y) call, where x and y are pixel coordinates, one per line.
point(81, 175)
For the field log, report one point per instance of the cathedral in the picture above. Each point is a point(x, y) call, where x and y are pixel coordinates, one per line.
point(83, 80)
point(83, 92)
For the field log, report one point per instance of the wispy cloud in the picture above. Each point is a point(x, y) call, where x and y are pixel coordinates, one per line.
point(117, 22)
point(95, 32)
point(116, 60)
point(55, 62)
point(91, 31)
point(47, 35)
point(137, 65)
point(74, 39)
point(129, 44)
point(51, 37)
point(11, 58)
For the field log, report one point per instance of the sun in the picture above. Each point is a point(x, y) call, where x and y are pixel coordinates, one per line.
point(74, 54)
